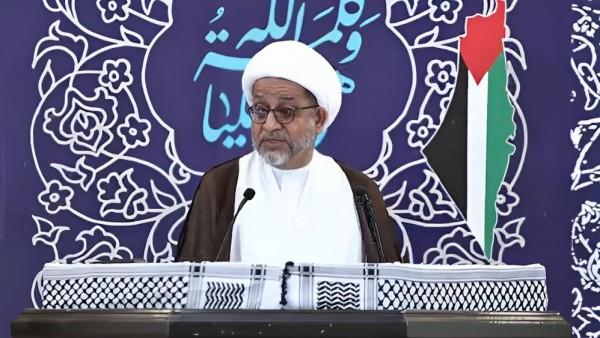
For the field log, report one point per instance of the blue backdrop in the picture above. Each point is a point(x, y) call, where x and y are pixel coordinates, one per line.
point(111, 110)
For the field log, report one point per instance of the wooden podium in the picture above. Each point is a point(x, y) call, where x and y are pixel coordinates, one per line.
point(33, 323)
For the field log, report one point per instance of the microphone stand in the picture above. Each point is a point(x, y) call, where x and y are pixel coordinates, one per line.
point(366, 205)
point(248, 195)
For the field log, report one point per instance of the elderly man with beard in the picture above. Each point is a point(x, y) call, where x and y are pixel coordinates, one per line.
point(308, 207)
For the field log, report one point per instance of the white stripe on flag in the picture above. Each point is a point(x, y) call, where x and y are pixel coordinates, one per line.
point(477, 100)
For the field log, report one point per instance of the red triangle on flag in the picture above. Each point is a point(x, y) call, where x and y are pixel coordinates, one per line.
point(483, 41)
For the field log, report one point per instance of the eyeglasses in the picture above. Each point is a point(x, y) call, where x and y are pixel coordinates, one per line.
point(284, 114)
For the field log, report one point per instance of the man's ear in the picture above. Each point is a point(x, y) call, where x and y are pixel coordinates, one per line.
point(321, 118)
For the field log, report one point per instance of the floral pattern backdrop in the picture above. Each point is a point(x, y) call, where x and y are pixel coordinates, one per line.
point(114, 109)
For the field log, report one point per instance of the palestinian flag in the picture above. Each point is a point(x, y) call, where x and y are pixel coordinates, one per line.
point(471, 150)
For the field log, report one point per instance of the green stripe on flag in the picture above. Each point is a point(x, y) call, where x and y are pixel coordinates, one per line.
point(500, 128)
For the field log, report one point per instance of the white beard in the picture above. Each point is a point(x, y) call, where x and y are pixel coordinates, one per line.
point(279, 158)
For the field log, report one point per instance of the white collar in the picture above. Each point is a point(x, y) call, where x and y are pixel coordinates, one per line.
point(311, 220)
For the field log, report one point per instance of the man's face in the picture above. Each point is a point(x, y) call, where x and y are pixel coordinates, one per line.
point(286, 146)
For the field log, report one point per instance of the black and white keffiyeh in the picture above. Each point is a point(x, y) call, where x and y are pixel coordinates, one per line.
point(232, 286)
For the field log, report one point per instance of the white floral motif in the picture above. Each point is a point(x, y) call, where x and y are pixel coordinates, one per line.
point(82, 174)
point(585, 246)
point(448, 251)
point(56, 197)
point(506, 200)
point(585, 25)
point(116, 75)
point(585, 228)
point(591, 276)
point(97, 244)
point(584, 315)
point(85, 95)
point(445, 10)
point(420, 203)
point(508, 235)
point(134, 131)
point(441, 76)
point(590, 213)
point(113, 10)
point(84, 123)
point(47, 233)
point(120, 194)
point(420, 131)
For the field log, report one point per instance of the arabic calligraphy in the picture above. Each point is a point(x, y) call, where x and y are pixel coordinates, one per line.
point(349, 16)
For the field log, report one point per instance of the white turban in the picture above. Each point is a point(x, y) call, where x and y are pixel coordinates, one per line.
point(296, 62)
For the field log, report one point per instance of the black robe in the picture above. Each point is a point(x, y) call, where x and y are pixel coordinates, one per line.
point(207, 226)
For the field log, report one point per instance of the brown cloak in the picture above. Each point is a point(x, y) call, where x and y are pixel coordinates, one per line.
point(208, 222)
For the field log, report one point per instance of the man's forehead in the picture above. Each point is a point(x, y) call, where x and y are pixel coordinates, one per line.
point(281, 88)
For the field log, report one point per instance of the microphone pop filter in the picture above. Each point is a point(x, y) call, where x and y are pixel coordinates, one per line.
point(249, 194)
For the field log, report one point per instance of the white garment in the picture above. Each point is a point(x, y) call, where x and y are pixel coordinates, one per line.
point(308, 217)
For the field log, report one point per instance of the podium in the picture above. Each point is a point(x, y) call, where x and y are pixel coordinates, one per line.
point(149, 323)
point(223, 299)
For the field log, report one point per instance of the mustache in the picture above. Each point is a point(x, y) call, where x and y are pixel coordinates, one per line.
point(274, 136)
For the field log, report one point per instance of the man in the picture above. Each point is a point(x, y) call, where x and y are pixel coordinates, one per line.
point(308, 207)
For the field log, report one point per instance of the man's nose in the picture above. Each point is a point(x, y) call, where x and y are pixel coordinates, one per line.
point(271, 122)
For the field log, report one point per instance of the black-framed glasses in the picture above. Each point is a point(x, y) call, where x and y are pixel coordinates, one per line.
point(283, 114)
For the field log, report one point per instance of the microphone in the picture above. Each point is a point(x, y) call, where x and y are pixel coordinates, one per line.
point(365, 203)
point(248, 195)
